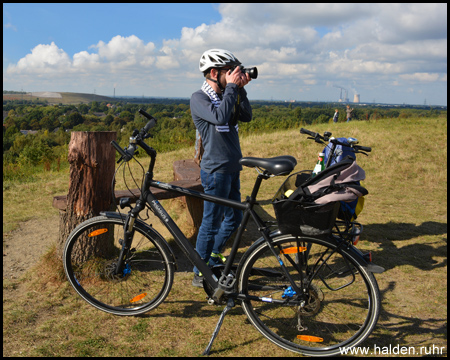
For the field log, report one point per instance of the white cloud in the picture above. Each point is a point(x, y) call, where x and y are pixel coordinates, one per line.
point(364, 45)
point(420, 77)
point(83, 60)
point(43, 58)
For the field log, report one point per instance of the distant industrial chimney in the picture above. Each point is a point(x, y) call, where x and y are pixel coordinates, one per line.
point(356, 98)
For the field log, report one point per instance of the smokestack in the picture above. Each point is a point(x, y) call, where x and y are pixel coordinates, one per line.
point(356, 98)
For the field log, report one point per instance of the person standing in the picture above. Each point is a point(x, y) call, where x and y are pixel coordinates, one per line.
point(336, 116)
point(349, 113)
point(216, 110)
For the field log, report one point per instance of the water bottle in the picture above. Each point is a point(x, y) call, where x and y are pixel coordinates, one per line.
point(320, 165)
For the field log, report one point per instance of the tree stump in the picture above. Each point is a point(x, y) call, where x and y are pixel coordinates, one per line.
point(92, 166)
point(189, 170)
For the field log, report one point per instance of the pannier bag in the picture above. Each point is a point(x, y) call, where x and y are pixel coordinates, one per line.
point(309, 206)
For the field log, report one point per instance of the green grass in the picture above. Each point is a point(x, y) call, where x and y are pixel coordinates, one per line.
point(405, 227)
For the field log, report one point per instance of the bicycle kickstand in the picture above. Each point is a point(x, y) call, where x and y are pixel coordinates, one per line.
point(230, 304)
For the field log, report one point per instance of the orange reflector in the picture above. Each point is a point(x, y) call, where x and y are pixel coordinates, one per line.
point(293, 250)
point(309, 338)
point(98, 232)
point(139, 297)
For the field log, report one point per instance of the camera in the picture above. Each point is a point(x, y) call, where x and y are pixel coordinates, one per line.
point(252, 72)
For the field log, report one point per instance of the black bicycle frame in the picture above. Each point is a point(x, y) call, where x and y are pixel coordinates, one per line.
point(223, 284)
point(181, 239)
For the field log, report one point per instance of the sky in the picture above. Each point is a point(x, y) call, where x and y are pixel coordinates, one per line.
point(386, 53)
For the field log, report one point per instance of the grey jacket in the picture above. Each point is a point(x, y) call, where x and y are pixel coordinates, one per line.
point(217, 128)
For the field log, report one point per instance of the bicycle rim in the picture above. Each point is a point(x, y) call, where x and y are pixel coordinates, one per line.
point(90, 254)
point(341, 304)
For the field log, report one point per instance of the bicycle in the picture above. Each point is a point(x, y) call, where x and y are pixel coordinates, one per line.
point(311, 302)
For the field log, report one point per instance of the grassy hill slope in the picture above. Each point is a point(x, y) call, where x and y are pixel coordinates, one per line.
point(66, 98)
point(405, 228)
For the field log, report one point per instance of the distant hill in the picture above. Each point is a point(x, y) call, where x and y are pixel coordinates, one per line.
point(66, 98)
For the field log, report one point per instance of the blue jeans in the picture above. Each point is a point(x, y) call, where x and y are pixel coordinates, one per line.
point(219, 221)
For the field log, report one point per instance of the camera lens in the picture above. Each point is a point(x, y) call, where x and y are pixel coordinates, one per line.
point(252, 72)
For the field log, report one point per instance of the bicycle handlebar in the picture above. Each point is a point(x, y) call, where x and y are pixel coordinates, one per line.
point(137, 138)
point(150, 124)
point(124, 155)
point(307, 132)
point(326, 136)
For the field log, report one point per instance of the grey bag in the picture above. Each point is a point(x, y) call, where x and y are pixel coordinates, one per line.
point(339, 187)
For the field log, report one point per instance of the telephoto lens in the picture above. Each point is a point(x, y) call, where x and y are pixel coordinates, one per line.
point(253, 72)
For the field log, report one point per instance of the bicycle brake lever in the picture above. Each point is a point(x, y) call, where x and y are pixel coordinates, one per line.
point(360, 152)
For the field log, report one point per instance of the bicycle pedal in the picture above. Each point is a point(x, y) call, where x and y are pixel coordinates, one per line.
point(226, 283)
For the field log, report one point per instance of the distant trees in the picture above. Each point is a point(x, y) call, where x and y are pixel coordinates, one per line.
point(174, 128)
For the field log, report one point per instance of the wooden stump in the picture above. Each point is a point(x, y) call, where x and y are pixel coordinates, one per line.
point(189, 170)
point(92, 166)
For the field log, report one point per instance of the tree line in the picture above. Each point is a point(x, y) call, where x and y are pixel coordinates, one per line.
point(52, 124)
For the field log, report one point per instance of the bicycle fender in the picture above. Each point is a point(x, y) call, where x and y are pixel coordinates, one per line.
point(148, 229)
point(355, 252)
point(358, 255)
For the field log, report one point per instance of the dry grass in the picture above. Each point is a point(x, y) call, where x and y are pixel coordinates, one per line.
point(405, 227)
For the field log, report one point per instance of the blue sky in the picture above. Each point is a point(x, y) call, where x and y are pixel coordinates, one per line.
point(390, 53)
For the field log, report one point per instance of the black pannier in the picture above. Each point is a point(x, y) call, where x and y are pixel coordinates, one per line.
point(309, 206)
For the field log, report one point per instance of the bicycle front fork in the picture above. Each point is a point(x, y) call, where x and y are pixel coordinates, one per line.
point(128, 231)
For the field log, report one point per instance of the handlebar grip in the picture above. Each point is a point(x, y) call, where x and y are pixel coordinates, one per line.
point(119, 149)
point(150, 124)
point(125, 156)
point(307, 132)
point(142, 112)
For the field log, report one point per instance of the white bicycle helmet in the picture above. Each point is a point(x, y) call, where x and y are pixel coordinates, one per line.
point(217, 58)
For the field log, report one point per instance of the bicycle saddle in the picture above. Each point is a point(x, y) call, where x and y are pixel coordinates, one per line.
point(279, 165)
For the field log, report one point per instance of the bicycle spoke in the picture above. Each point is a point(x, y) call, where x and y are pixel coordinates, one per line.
point(144, 282)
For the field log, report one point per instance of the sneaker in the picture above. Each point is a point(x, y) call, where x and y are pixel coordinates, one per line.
point(218, 258)
point(198, 280)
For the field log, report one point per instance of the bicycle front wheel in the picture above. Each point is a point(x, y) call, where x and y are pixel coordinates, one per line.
point(90, 256)
point(339, 306)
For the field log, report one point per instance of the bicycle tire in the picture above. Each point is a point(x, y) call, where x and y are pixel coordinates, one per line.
point(338, 312)
point(144, 284)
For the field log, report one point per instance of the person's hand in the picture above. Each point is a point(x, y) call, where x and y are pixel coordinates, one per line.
point(233, 77)
point(245, 79)
point(237, 77)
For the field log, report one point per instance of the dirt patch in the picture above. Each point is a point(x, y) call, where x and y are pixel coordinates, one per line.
point(23, 247)
point(47, 94)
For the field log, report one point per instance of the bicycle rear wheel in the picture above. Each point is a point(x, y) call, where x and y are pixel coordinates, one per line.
point(340, 303)
point(90, 255)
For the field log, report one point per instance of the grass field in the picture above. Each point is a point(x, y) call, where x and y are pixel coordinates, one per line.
point(405, 227)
